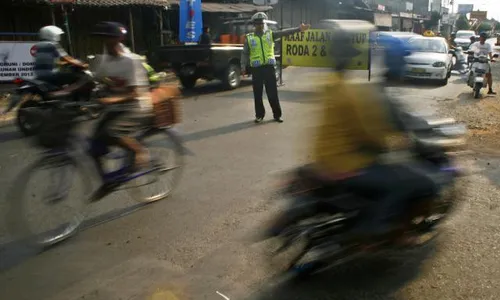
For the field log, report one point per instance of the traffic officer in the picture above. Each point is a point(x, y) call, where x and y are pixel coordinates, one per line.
point(258, 53)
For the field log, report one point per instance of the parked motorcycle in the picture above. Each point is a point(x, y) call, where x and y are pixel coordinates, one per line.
point(321, 236)
point(33, 93)
point(477, 74)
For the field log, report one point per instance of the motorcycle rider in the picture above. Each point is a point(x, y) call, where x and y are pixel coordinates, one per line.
point(48, 51)
point(483, 48)
point(358, 123)
point(130, 103)
point(451, 42)
point(394, 56)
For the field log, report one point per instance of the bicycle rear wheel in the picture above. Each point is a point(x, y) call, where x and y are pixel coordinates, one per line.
point(26, 218)
point(167, 160)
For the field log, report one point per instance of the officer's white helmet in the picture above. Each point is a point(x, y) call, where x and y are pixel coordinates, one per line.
point(51, 33)
point(260, 16)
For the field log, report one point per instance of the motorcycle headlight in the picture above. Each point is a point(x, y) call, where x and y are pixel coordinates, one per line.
point(438, 64)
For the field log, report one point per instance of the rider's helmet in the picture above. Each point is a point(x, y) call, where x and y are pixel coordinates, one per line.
point(483, 35)
point(110, 29)
point(341, 49)
point(51, 33)
point(395, 50)
point(259, 17)
point(453, 35)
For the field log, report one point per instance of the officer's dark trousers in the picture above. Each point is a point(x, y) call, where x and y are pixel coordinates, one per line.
point(261, 76)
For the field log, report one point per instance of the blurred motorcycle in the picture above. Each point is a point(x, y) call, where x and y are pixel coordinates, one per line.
point(33, 94)
point(321, 234)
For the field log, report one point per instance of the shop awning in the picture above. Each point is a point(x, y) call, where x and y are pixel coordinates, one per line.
point(228, 7)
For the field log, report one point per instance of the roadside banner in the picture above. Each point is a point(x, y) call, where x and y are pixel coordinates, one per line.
point(190, 21)
point(312, 49)
point(17, 60)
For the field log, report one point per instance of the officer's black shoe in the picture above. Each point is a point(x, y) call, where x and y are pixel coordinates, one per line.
point(258, 120)
point(279, 120)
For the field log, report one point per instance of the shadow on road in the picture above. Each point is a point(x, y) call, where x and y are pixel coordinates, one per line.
point(9, 136)
point(371, 278)
point(210, 88)
point(423, 84)
point(284, 95)
point(199, 135)
point(16, 252)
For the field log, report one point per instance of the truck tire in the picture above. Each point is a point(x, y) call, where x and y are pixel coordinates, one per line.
point(188, 82)
point(232, 77)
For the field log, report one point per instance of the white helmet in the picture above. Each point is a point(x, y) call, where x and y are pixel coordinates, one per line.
point(259, 16)
point(51, 33)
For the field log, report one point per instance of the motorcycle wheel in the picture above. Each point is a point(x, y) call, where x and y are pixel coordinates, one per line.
point(27, 124)
point(477, 91)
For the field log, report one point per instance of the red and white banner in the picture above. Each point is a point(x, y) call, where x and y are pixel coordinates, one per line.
point(17, 59)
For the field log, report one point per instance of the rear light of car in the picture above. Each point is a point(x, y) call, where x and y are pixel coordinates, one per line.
point(18, 81)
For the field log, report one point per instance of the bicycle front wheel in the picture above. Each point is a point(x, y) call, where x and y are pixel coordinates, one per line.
point(167, 161)
point(48, 200)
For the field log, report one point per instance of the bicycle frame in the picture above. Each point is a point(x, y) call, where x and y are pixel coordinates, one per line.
point(113, 179)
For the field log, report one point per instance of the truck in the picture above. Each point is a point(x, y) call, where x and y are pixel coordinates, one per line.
point(218, 61)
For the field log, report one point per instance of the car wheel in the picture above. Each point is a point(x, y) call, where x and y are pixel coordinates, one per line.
point(232, 78)
point(444, 82)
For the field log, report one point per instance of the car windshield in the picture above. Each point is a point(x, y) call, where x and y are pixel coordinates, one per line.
point(464, 35)
point(427, 45)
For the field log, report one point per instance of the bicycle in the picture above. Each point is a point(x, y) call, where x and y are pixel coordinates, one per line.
point(65, 161)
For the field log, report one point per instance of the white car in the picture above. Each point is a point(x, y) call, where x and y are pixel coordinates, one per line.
point(429, 59)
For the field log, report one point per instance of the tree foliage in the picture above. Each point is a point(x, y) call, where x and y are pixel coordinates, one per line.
point(434, 20)
point(484, 27)
point(462, 23)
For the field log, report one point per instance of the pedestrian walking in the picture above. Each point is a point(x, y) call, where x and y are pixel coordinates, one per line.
point(258, 53)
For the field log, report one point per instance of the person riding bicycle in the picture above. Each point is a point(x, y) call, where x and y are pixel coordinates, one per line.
point(129, 105)
point(483, 48)
point(358, 122)
point(47, 55)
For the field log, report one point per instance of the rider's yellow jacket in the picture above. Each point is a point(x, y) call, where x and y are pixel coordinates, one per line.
point(354, 128)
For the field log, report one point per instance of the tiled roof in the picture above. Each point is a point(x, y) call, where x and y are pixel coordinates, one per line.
point(114, 2)
point(228, 7)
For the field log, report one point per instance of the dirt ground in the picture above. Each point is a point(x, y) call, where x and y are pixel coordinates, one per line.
point(482, 116)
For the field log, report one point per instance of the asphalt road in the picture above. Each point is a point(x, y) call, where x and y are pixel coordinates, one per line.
point(194, 243)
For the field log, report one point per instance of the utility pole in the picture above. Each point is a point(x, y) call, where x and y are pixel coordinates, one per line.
point(413, 16)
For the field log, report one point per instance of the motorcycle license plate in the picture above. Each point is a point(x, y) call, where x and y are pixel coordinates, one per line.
point(418, 70)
